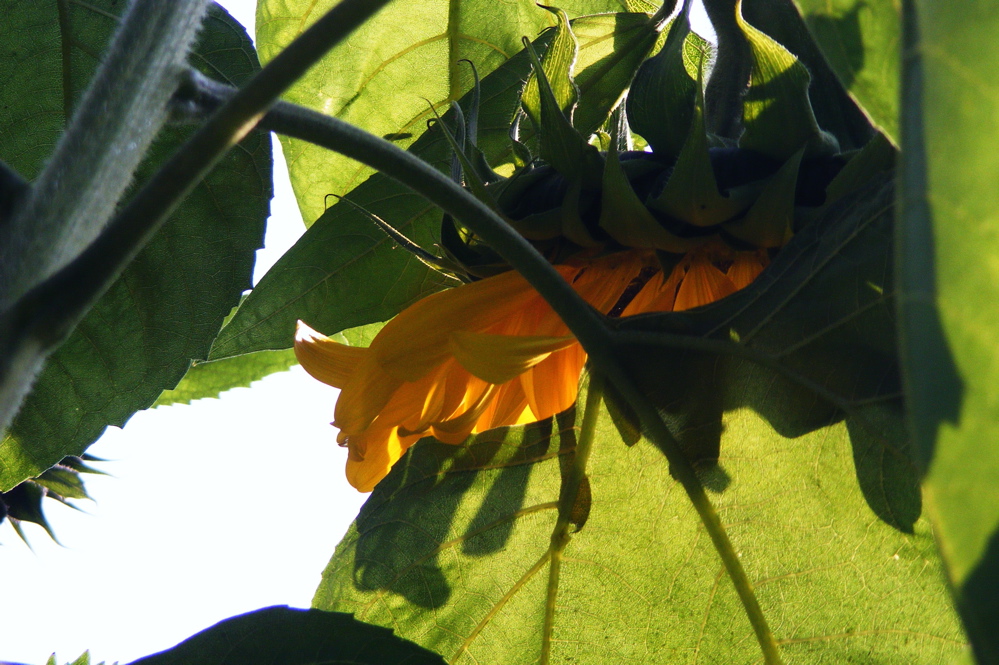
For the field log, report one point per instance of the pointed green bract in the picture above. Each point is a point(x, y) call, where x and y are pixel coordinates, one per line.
point(691, 193)
point(625, 218)
point(777, 114)
point(557, 65)
point(561, 145)
point(368, 79)
point(769, 222)
point(878, 156)
point(661, 101)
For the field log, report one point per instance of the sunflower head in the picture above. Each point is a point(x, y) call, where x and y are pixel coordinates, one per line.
point(707, 149)
point(727, 173)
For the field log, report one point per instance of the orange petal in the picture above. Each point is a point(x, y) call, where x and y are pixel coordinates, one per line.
point(500, 358)
point(456, 429)
point(703, 284)
point(416, 341)
point(508, 407)
point(746, 267)
point(551, 385)
point(330, 362)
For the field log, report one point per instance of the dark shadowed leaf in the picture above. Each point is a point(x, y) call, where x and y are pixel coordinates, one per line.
point(165, 310)
point(949, 240)
point(285, 636)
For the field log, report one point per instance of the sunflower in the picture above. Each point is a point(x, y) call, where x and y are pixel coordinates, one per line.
point(493, 353)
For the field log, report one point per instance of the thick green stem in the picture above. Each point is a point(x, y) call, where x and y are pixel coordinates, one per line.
point(571, 484)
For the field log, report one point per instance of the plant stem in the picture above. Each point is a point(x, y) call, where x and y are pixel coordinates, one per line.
point(571, 485)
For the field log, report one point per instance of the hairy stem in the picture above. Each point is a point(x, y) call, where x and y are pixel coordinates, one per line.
point(47, 313)
point(118, 116)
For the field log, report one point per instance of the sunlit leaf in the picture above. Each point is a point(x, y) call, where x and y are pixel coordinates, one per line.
point(949, 238)
point(167, 307)
point(209, 379)
point(369, 80)
point(293, 637)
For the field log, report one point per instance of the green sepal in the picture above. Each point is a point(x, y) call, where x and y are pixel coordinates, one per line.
point(555, 73)
point(573, 226)
point(612, 48)
point(691, 193)
point(472, 181)
point(876, 157)
point(623, 215)
point(776, 112)
point(661, 102)
point(520, 153)
point(63, 483)
point(770, 221)
point(561, 145)
point(545, 225)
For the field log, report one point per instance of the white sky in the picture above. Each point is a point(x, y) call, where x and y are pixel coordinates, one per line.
point(213, 509)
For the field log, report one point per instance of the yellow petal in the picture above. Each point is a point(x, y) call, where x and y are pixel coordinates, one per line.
point(326, 360)
point(384, 447)
point(500, 358)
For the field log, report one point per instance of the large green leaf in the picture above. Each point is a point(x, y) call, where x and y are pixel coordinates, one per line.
point(861, 42)
point(387, 73)
point(786, 398)
point(167, 307)
point(452, 551)
point(210, 379)
point(949, 240)
point(285, 636)
point(345, 272)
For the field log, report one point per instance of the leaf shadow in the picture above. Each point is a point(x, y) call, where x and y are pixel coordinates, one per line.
point(397, 538)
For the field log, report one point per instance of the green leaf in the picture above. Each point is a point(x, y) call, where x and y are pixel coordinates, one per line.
point(861, 41)
point(293, 637)
point(368, 79)
point(453, 551)
point(949, 280)
point(210, 379)
point(167, 307)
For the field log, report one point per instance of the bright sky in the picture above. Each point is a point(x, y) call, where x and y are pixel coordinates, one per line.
point(212, 509)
